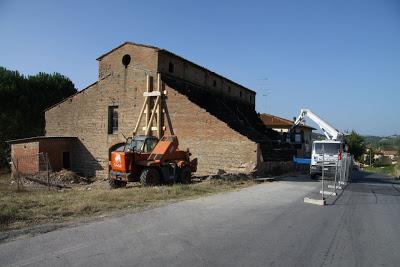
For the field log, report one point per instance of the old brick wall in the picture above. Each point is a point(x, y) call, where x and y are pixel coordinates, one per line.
point(86, 116)
point(81, 117)
point(212, 141)
point(281, 167)
point(25, 157)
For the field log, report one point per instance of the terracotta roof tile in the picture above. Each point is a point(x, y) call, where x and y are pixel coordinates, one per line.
point(275, 121)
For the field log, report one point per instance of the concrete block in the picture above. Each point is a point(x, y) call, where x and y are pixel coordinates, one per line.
point(320, 202)
point(326, 192)
point(333, 187)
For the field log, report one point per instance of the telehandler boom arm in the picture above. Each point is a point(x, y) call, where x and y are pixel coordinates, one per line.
point(330, 132)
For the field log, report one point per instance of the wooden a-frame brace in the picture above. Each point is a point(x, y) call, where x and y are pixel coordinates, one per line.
point(159, 107)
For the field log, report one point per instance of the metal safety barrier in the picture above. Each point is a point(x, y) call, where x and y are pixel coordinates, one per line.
point(342, 174)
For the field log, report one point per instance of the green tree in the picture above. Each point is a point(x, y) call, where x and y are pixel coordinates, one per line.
point(356, 144)
point(22, 102)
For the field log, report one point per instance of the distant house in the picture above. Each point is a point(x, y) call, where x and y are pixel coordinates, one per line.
point(391, 154)
point(301, 137)
point(381, 157)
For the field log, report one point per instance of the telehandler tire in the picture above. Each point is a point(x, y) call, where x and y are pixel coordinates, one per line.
point(150, 177)
point(185, 175)
point(116, 183)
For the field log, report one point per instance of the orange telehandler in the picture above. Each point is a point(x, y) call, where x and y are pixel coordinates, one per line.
point(149, 161)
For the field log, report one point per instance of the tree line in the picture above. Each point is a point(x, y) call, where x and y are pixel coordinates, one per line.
point(23, 100)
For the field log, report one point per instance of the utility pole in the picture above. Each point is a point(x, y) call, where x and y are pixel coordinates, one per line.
point(370, 153)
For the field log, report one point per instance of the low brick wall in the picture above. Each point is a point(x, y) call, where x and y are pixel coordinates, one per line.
point(280, 167)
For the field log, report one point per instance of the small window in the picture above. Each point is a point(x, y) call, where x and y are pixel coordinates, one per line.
point(214, 83)
point(112, 119)
point(229, 89)
point(250, 97)
point(171, 67)
point(240, 93)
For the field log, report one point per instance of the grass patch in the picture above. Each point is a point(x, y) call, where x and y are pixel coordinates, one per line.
point(21, 209)
point(388, 170)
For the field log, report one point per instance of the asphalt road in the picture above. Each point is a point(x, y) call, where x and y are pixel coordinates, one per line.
point(264, 225)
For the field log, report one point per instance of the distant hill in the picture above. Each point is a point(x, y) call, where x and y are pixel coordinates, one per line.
point(376, 142)
point(383, 142)
point(317, 136)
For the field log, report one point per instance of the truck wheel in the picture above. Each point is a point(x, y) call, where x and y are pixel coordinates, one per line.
point(313, 176)
point(116, 183)
point(149, 177)
point(185, 176)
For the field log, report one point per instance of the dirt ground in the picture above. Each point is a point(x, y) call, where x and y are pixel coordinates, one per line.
point(34, 204)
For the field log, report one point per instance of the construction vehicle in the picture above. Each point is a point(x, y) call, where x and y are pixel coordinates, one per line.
point(151, 162)
point(148, 159)
point(327, 152)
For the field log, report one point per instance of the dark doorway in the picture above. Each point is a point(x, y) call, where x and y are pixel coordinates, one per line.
point(66, 161)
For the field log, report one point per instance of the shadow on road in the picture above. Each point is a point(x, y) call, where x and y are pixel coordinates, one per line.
point(299, 178)
point(369, 177)
point(368, 188)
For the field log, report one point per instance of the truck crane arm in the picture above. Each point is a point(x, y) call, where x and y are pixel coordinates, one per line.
point(330, 132)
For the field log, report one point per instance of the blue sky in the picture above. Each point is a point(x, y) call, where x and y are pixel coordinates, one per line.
point(341, 59)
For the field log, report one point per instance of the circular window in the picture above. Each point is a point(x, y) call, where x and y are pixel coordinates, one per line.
point(126, 60)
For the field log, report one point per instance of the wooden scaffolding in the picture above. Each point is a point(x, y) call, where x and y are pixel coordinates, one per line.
point(154, 107)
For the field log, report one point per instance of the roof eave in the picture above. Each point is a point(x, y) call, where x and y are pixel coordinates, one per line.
point(37, 138)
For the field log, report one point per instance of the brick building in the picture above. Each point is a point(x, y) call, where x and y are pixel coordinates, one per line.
point(212, 115)
point(301, 137)
point(29, 158)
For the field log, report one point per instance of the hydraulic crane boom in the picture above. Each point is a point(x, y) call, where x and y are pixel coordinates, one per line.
point(330, 132)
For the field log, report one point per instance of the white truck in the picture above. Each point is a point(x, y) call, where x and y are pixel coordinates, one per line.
point(328, 151)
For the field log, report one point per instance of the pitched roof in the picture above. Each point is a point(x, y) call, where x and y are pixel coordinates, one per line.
point(37, 138)
point(173, 54)
point(275, 121)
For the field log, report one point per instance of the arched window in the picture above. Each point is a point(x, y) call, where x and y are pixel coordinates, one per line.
point(126, 59)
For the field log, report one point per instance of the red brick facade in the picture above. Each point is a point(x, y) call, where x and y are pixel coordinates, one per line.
point(210, 137)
